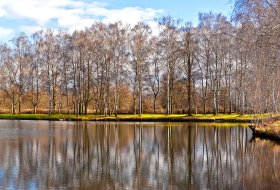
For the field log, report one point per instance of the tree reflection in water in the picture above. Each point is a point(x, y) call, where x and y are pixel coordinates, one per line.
point(100, 155)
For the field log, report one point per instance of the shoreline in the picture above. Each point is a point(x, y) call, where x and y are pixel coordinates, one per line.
point(221, 118)
point(269, 131)
point(187, 120)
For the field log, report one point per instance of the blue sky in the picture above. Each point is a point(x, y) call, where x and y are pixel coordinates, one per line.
point(32, 15)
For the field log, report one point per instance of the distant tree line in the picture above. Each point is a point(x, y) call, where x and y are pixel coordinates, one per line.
point(215, 67)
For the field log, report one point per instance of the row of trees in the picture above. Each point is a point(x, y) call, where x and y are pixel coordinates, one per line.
point(215, 67)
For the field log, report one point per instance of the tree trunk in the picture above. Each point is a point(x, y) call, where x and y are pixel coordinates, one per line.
point(189, 85)
point(49, 91)
point(19, 104)
point(140, 98)
point(13, 104)
point(35, 109)
point(215, 101)
point(168, 91)
point(116, 102)
point(204, 105)
point(155, 111)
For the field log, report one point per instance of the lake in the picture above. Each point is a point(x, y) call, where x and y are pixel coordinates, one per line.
point(133, 155)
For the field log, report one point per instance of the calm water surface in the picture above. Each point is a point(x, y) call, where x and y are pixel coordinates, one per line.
point(100, 155)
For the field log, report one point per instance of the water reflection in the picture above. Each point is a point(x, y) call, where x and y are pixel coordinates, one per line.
point(88, 155)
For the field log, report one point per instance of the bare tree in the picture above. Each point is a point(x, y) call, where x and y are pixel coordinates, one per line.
point(9, 75)
point(139, 52)
point(153, 79)
point(169, 40)
point(188, 49)
point(21, 61)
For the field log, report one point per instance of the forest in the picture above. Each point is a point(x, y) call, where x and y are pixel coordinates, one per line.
point(218, 66)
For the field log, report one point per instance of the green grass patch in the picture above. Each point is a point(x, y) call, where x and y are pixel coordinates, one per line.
point(46, 116)
point(151, 116)
point(224, 116)
point(144, 117)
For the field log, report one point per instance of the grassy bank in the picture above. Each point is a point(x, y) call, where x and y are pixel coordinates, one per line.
point(234, 118)
point(269, 130)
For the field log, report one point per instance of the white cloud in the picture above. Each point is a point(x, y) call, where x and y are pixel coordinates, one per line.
point(6, 33)
point(155, 27)
point(40, 11)
point(30, 29)
point(2, 12)
point(130, 15)
point(70, 14)
point(73, 22)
